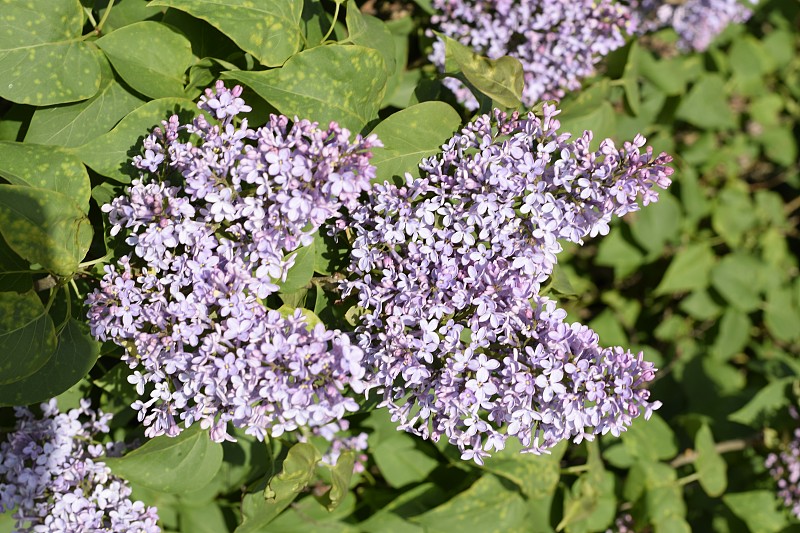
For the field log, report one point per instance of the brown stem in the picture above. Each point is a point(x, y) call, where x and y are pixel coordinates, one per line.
point(690, 456)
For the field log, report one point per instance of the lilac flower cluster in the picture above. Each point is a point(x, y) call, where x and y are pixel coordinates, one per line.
point(52, 473)
point(458, 338)
point(785, 470)
point(558, 42)
point(697, 22)
point(212, 231)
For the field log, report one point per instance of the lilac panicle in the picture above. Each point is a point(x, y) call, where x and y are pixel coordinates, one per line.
point(51, 472)
point(558, 43)
point(458, 340)
point(213, 226)
point(697, 22)
point(784, 467)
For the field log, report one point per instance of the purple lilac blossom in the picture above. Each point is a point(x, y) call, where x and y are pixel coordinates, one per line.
point(785, 470)
point(51, 471)
point(558, 42)
point(697, 22)
point(211, 237)
point(458, 341)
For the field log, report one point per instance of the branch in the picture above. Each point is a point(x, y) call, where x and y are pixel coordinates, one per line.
point(690, 456)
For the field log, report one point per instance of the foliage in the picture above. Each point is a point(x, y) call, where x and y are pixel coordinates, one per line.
point(704, 282)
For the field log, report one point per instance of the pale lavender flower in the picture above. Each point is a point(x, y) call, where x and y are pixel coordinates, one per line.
point(51, 472)
point(458, 340)
point(210, 238)
point(558, 42)
point(697, 22)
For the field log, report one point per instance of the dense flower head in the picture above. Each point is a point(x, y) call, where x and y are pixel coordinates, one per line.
point(784, 467)
point(458, 339)
point(213, 226)
point(558, 42)
point(51, 471)
point(697, 22)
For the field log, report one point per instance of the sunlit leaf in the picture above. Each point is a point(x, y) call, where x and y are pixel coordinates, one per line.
point(43, 60)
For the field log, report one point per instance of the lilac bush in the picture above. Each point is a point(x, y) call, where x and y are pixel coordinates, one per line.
point(458, 339)
point(213, 226)
point(52, 473)
point(558, 43)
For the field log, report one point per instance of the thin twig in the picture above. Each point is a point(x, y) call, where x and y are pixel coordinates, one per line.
point(690, 456)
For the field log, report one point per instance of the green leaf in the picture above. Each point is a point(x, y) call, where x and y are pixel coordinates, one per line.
point(207, 518)
point(370, 32)
point(157, 75)
point(501, 79)
point(537, 476)
point(46, 167)
point(487, 506)
point(307, 514)
point(757, 509)
point(618, 252)
point(271, 31)
point(344, 84)
point(400, 461)
point(560, 283)
point(766, 402)
point(332, 254)
point(780, 145)
point(410, 135)
point(590, 505)
point(72, 125)
point(600, 120)
point(260, 507)
point(110, 155)
point(734, 332)
point(782, 316)
point(735, 277)
point(664, 501)
point(43, 60)
point(383, 521)
point(658, 224)
point(650, 439)
point(667, 74)
point(341, 475)
point(44, 227)
point(630, 79)
point(706, 105)
point(172, 464)
point(672, 524)
point(618, 455)
point(700, 305)
point(27, 336)
point(15, 273)
point(689, 270)
point(749, 62)
point(590, 110)
point(710, 466)
point(608, 326)
point(733, 215)
point(125, 12)
point(299, 276)
point(74, 356)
